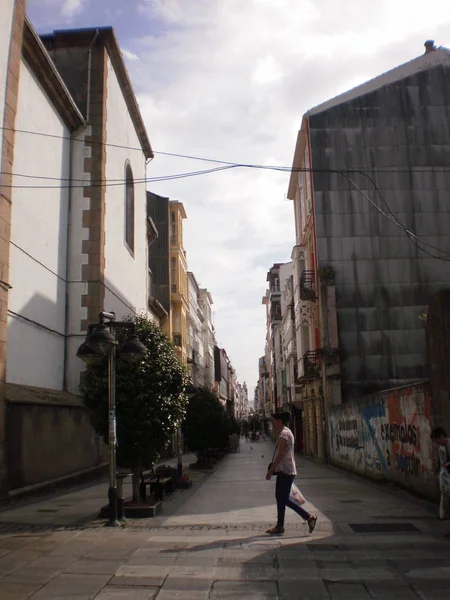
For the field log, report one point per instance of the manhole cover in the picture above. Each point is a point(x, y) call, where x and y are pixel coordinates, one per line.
point(350, 501)
point(383, 527)
point(47, 510)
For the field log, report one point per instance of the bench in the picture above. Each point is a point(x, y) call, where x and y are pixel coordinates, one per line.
point(158, 486)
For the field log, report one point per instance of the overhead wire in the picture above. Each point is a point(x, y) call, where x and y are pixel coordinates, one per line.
point(398, 224)
point(407, 231)
point(96, 183)
point(203, 158)
point(225, 165)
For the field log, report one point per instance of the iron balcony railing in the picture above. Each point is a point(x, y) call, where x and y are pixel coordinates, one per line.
point(308, 285)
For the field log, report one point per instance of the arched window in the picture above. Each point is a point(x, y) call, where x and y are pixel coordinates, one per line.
point(129, 208)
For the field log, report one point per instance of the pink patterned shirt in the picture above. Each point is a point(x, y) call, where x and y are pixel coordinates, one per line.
point(287, 462)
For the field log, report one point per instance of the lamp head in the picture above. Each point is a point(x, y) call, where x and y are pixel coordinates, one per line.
point(132, 349)
point(101, 339)
point(88, 354)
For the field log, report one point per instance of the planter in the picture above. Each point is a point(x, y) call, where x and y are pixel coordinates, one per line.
point(182, 484)
point(142, 510)
point(202, 466)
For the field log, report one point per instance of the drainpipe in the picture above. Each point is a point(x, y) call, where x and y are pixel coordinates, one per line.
point(88, 95)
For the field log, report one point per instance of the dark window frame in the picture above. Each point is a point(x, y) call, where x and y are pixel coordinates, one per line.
point(129, 225)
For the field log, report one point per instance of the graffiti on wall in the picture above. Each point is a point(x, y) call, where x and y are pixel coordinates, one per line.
point(346, 438)
point(388, 436)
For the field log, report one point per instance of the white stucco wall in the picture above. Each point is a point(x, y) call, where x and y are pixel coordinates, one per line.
point(39, 228)
point(125, 275)
point(6, 17)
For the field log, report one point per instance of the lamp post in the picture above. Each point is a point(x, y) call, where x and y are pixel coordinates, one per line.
point(100, 342)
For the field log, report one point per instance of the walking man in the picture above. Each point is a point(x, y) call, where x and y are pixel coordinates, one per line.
point(283, 466)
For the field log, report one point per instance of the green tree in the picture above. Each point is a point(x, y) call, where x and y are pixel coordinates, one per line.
point(207, 424)
point(150, 399)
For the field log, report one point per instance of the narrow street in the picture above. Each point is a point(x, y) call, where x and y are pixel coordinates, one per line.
point(370, 542)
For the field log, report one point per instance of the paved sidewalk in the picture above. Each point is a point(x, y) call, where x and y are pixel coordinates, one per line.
point(70, 508)
point(370, 542)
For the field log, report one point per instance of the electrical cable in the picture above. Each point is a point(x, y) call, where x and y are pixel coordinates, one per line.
point(105, 183)
point(225, 166)
point(407, 231)
point(206, 159)
point(397, 223)
point(21, 317)
point(66, 281)
point(38, 261)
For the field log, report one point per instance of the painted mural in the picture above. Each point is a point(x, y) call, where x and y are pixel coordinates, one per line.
point(387, 436)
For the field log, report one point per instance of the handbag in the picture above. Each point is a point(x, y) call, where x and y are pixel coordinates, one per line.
point(273, 456)
point(295, 496)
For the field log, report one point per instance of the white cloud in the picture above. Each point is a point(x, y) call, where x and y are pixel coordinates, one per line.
point(72, 7)
point(267, 70)
point(130, 55)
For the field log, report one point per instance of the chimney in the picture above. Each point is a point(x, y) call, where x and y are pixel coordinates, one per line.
point(429, 46)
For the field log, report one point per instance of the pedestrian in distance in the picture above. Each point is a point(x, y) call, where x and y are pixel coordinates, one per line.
point(283, 466)
point(442, 441)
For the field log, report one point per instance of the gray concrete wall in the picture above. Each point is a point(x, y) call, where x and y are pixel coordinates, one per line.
point(48, 437)
point(400, 134)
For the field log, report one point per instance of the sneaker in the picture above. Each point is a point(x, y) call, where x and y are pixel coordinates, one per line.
point(277, 530)
point(312, 523)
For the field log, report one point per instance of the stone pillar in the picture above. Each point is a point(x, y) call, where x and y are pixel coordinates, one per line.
point(7, 164)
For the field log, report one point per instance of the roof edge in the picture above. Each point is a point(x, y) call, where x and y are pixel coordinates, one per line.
point(83, 37)
point(416, 65)
point(38, 59)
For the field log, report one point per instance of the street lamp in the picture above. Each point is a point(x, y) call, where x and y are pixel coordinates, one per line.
point(100, 342)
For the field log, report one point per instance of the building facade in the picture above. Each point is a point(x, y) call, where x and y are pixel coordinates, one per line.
point(179, 294)
point(208, 337)
point(158, 260)
point(369, 185)
point(195, 346)
point(72, 250)
point(12, 17)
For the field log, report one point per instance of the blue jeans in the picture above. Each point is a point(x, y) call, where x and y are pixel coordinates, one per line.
point(282, 491)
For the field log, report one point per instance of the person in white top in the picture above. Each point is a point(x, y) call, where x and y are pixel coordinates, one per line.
point(283, 466)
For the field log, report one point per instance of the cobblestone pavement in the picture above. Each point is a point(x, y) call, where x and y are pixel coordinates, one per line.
point(371, 541)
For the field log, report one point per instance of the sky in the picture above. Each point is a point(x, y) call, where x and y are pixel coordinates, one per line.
point(230, 80)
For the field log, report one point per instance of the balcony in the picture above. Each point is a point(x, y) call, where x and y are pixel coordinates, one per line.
point(311, 364)
point(308, 286)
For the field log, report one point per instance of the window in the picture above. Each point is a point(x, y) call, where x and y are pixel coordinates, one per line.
point(129, 209)
point(173, 229)
point(150, 282)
